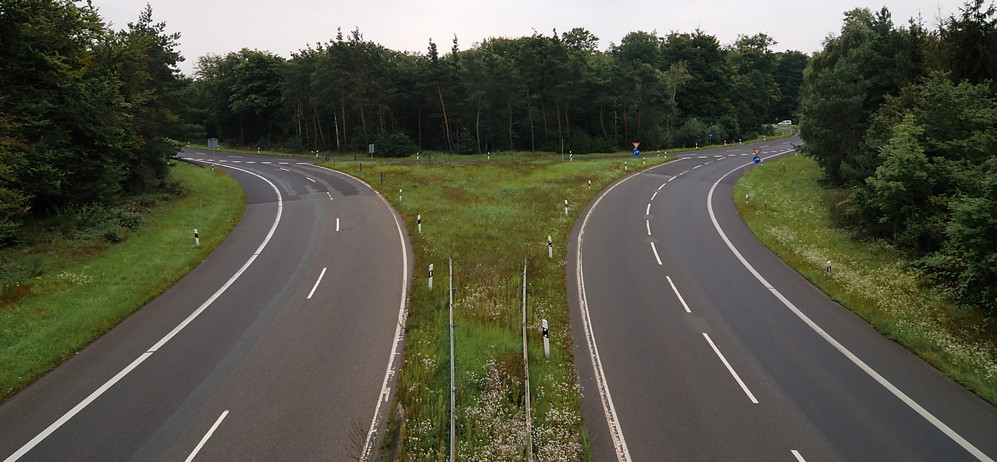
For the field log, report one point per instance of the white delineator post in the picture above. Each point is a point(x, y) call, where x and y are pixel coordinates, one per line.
point(565, 207)
point(419, 222)
point(197, 240)
point(430, 276)
point(543, 327)
point(550, 248)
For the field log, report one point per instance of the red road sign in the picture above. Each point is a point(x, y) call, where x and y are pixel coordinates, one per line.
point(636, 144)
point(758, 151)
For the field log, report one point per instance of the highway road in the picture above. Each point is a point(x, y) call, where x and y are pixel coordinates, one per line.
point(282, 345)
point(694, 342)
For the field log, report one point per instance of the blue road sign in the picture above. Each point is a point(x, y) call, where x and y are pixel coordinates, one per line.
point(757, 160)
point(636, 152)
point(711, 136)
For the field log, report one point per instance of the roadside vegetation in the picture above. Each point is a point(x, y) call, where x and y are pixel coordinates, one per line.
point(79, 273)
point(790, 213)
point(491, 218)
point(903, 124)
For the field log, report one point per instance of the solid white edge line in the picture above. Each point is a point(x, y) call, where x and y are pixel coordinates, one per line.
point(399, 326)
point(969, 447)
point(677, 294)
point(730, 369)
point(117, 377)
point(317, 282)
point(798, 456)
point(655, 250)
point(648, 224)
point(204, 440)
point(606, 399)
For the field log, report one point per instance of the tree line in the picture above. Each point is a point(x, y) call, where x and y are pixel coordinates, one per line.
point(86, 113)
point(89, 115)
point(537, 93)
point(903, 122)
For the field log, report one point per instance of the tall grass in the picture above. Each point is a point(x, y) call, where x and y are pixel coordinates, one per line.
point(789, 212)
point(491, 218)
point(77, 288)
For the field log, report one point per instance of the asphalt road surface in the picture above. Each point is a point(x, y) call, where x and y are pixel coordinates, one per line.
point(694, 342)
point(282, 345)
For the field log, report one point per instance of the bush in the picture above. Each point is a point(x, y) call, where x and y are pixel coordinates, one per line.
point(394, 144)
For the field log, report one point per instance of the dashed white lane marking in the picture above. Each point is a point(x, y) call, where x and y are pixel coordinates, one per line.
point(648, 223)
point(284, 169)
point(309, 179)
point(399, 326)
point(206, 436)
point(677, 294)
point(329, 194)
point(654, 195)
point(797, 455)
point(730, 369)
point(924, 413)
point(337, 224)
point(655, 250)
point(321, 275)
point(648, 211)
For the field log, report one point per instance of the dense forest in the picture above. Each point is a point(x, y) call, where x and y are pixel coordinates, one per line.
point(86, 114)
point(89, 115)
point(537, 93)
point(903, 122)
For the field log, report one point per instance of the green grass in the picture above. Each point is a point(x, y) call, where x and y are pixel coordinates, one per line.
point(789, 212)
point(75, 290)
point(491, 218)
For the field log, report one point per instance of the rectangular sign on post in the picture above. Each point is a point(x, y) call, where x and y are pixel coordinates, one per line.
point(370, 149)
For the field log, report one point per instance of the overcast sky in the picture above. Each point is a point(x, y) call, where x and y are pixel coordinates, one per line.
point(285, 26)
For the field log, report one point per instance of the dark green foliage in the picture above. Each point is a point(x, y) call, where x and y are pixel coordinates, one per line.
point(394, 144)
point(536, 93)
point(85, 112)
point(906, 120)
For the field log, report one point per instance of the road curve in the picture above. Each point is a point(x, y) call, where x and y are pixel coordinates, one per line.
point(694, 342)
point(282, 345)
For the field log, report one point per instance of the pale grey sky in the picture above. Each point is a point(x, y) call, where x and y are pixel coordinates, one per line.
point(285, 26)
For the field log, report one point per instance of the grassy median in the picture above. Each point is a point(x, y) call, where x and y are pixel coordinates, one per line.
point(84, 273)
point(789, 212)
point(492, 216)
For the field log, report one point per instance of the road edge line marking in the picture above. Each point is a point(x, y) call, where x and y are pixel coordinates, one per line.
point(920, 410)
point(120, 375)
point(399, 326)
point(606, 399)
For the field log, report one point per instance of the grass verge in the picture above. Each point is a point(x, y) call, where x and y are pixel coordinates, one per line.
point(788, 212)
point(75, 290)
point(491, 218)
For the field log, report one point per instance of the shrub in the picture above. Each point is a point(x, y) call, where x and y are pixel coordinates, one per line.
point(394, 144)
